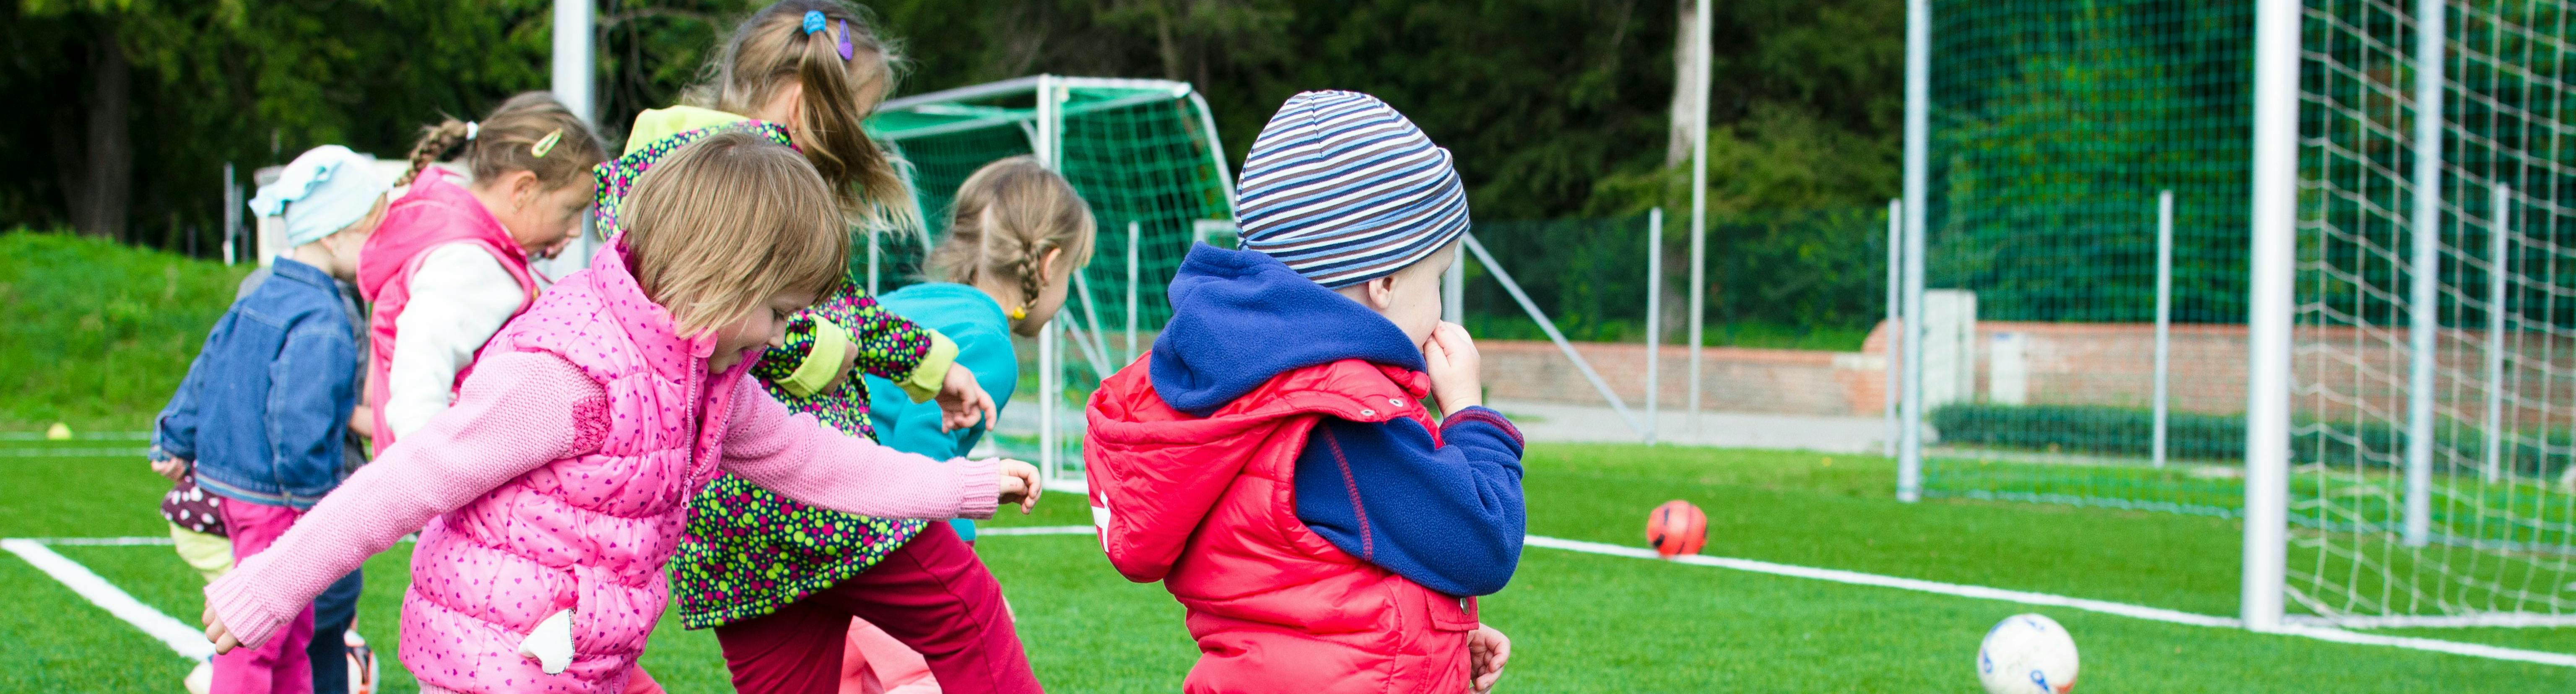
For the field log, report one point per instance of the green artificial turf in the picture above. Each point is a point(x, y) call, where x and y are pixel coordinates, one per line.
point(1580, 622)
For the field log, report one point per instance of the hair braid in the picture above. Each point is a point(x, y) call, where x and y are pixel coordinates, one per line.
point(435, 142)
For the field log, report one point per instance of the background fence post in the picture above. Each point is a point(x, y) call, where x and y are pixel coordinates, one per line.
point(1918, 130)
point(1895, 319)
point(1700, 47)
point(1654, 316)
point(2497, 265)
point(2164, 319)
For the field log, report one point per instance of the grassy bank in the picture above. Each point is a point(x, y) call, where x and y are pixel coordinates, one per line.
point(97, 333)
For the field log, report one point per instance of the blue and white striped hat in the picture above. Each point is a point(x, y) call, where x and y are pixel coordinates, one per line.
point(1343, 189)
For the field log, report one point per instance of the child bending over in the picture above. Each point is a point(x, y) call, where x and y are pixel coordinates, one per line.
point(554, 490)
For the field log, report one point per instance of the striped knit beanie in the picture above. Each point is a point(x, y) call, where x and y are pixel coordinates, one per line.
point(1343, 189)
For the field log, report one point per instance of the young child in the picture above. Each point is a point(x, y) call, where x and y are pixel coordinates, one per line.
point(553, 490)
point(1017, 233)
point(260, 420)
point(1325, 535)
point(451, 264)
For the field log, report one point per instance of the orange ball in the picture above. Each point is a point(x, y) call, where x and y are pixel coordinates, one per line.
point(1676, 528)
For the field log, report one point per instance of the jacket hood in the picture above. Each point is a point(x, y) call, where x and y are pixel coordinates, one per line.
point(1240, 318)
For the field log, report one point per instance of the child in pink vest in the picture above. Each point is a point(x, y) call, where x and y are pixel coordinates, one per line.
point(450, 264)
point(554, 490)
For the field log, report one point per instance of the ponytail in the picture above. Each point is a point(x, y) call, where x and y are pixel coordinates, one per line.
point(435, 142)
point(530, 132)
point(1006, 218)
point(838, 94)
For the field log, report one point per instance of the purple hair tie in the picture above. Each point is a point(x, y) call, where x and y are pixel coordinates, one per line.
point(845, 40)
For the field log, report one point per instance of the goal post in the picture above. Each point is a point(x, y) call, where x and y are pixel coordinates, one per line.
point(2305, 263)
point(1145, 157)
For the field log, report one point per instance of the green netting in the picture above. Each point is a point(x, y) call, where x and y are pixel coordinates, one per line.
point(1140, 153)
point(2055, 125)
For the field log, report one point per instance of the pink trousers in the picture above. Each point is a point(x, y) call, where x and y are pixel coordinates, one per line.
point(281, 665)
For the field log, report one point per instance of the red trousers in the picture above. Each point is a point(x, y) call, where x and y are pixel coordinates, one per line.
point(932, 594)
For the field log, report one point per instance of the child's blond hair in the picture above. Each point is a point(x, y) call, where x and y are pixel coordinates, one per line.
point(727, 222)
point(771, 51)
point(1006, 218)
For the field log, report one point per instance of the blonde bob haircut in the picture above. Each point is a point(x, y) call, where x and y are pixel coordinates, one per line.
point(720, 226)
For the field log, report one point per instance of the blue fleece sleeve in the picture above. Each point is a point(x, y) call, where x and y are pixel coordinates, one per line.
point(311, 388)
point(1449, 517)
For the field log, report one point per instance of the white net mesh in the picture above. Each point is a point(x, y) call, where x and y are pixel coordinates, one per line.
point(2487, 540)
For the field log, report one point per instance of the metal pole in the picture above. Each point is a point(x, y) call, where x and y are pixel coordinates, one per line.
point(1917, 183)
point(1050, 364)
point(2274, 222)
point(1549, 327)
point(1135, 236)
point(872, 261)
point(232, 212)
point(2497, 265)
point(1895, 318)
point(2426, 303)
point(2164, 318)
point(1700, 49)
point(1453, 290)
point(1654, 315)
point(1047, 396)
point(572, 57)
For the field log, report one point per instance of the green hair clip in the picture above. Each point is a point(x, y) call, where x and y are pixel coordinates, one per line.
point(543, 146)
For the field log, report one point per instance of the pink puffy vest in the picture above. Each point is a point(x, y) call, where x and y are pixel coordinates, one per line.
point(589, 533)
point(435, 213)
point(1208, 506)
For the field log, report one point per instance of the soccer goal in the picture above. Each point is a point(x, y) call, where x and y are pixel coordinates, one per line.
point(2298, 263)
point(1143, 153)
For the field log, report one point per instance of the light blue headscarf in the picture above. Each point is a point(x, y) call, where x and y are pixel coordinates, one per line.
point(329, 187)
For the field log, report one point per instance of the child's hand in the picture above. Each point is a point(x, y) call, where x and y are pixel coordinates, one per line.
point(1454, 366)
point(1487, 651)
point(849, 369)
point(173, 468)
point(962, 402)
point(217, 634)
point(1020, 485)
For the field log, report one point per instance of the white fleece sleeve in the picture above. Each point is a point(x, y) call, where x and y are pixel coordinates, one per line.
point(460, 296)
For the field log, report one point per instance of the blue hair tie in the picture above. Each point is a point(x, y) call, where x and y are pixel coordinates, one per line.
point(813, 21)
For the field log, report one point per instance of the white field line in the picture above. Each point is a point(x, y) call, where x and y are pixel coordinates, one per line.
point(192, 638)
point(189, 641)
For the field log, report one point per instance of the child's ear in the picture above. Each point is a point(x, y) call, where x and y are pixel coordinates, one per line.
point(525, 188)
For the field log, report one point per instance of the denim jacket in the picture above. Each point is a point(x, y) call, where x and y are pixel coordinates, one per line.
point(263, 408)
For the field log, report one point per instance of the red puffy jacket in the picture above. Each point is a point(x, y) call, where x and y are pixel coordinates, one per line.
point(1208, 507)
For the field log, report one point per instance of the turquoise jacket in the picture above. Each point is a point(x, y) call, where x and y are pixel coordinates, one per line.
point(983, 338)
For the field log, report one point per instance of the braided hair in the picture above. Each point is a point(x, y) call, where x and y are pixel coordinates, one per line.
point(1007, 217)
point(531, 132)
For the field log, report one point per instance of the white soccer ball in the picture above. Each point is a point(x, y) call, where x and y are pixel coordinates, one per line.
point(2027, 654)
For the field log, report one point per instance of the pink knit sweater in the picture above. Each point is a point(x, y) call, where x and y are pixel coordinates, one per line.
point(516, 414)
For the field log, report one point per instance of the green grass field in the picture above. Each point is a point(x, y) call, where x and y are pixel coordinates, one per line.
point(96, 334)
point(1581, 622)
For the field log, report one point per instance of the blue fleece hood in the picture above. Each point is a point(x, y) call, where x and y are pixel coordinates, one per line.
point(1241, 317)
